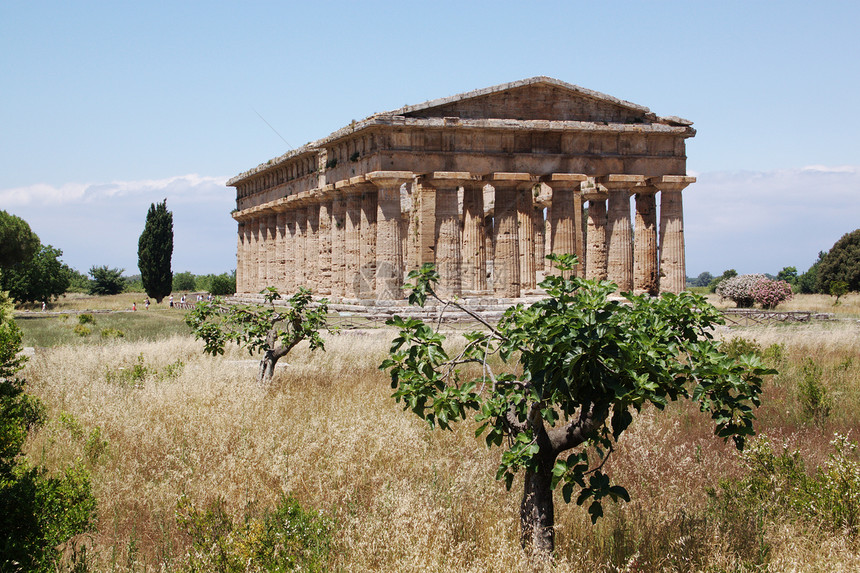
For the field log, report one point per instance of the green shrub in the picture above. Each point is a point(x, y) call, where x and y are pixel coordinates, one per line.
point(106, 280)
point(184, 282)
point(138, 374)
point(812, 394)
point(40, 515)
point(777, 488)
point(739, 346)
point(289, 538)
point(86, 318)
point(82, 330)
point(112, 333)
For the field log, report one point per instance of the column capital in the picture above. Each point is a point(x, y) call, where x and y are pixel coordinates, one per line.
point(596, 193)
point(621, 181)
point(388, 177)
point(573, 180)
point(450, 178)
point(515, 177)
point(671, 182)
point(646, 189)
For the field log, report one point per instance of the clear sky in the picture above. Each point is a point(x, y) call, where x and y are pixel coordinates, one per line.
point(110, 106)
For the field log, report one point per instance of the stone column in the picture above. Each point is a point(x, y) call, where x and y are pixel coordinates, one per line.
point(280, 252)
point(338, 228)
point(290, 285)
point(367, 247)
point(506, 265)
point(564, 234)
point(595, 256)
point(672, 264)
point(422, 240)
point(240, 257)
point(351, 242)
point(448, 233)
point(389, 247)
point(251, 268)
point(312, 251)
point(540, 239)
point(299, 249)
point(271, 249)
point(262, 261)
point(619, 229)
point(526, 231)
point(325, 247)
point(645, 267)
point(474, 238)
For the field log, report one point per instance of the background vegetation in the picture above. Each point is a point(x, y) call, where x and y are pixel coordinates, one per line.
point(186, 451)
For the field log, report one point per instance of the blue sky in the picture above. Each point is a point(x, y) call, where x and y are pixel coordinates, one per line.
point(110, 106)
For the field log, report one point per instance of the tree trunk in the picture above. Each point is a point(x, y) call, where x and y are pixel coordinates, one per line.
point(537, 513)
point(267, 367)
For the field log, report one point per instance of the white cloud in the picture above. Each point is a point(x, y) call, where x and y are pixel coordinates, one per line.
point(99, 223)
point(763, 221)
point(44, 194)
point(751, 221)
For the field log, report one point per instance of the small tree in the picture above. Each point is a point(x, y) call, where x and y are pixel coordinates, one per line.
point(769, 293)
point(272, 330)
point(585, 363)
point(739, 289)
point(41, 279)
point(155, 251)
point(106, 280)
point(787, 274)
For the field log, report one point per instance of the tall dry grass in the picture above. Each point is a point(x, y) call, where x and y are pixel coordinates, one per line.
point(155, 421)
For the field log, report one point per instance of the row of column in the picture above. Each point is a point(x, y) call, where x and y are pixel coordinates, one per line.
point(357, 238)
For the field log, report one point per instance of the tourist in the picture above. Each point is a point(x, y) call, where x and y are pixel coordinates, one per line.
point(171, 301)
point(146, 303)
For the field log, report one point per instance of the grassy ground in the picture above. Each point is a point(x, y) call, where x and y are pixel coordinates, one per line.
point(58, 328)
point(157, 422)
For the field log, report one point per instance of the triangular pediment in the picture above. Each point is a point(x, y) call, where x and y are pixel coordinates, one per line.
point(539, 98)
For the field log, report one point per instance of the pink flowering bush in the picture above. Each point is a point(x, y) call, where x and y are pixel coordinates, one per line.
point(739, 289)
point(770, 293)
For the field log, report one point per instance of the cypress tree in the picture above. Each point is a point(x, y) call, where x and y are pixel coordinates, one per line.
point(155, 250)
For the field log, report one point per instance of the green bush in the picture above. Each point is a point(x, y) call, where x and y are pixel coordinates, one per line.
point(777, 488)
point(106, 281)
point(223, 284)
point(40, 514)
point(112, 333)
point(86, 318)
point(812, 394)
point(184, 282)
point(82, 330)
point(289, 538)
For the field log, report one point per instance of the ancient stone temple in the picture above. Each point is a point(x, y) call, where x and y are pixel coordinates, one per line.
point(484, 185)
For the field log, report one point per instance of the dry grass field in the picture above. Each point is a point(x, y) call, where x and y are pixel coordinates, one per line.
point(162, 428)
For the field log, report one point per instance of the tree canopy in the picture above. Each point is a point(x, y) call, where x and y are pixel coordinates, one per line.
point(841, 264)
point(41, 279)
point(155, 251)
point(106, 280)
point(18, 243)
point(584, 364)
point(268, 329)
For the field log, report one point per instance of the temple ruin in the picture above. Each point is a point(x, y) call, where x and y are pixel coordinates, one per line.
point(484, 185)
